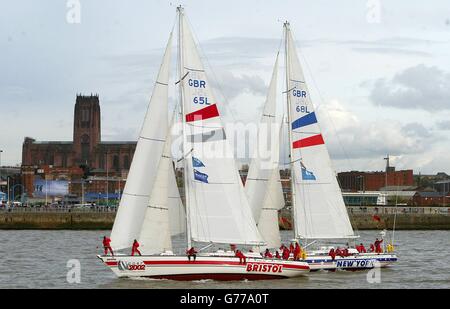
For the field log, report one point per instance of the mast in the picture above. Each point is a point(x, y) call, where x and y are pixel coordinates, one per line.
point(183, 122)
point(288, 103)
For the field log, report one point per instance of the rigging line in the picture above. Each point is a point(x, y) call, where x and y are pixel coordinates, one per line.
point(206, 127)
point(184, 156)
point(184, 76)
point(214, 76)
point(289, 90)
point(326, 111)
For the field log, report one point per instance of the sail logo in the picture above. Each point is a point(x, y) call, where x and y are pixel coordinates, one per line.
point(124, 266)
point(307, 175)
point(197, 174)
point(200, 176)
point(265, 268)
point(197, 163)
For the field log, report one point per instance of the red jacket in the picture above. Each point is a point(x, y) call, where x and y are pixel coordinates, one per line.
point(267, 254)
point(191, 251)
point(135, 245)
point(106, 242)
point(286, 253)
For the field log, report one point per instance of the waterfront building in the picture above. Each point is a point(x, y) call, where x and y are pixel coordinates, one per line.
point(49, 166)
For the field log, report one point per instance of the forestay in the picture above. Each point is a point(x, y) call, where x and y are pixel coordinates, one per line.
point(218, 210)
point(319, 209)
point(143, 169)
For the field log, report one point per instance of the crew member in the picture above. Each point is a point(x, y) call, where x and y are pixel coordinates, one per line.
point(332, 253)
point(277, 255)
point(345, 252)
point(267, 254)
point(241, 256)
point(378, 246)
point(286, 253)
point(191, 252)
point(338, 252)
point(362, 249)
point(107, 245)
point(135, 247)
point(297, 252)
point(291, 248)
point(372, 248)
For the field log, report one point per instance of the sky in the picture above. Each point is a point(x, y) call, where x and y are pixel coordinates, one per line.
point(378, 71)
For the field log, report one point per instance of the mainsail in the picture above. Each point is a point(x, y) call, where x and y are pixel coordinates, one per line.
point(143, 169)
point(263, 186)
point(217, 207)
point(319, 209)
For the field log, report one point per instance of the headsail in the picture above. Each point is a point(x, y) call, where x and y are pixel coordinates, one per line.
point(177, 212)
point(217, 207)
point(319, 209)
point(263, 186)
point(141, 177)
point(155, 235)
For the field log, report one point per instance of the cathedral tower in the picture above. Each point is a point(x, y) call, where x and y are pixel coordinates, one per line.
point(86, 128)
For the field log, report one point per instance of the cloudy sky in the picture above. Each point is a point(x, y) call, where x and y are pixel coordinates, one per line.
point(378, 70)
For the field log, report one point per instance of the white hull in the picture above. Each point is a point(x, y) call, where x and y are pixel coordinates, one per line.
point(214, 267)
point(354, 262)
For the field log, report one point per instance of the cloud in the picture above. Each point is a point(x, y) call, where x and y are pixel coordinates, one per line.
point(443, 125)
point(232, 85)
point(348, 137)
point(397, 51)
point(418, 87)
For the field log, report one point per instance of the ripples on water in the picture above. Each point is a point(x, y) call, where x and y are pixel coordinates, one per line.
point(38, 259)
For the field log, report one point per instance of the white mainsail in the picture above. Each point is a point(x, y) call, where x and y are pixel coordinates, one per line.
point(263, 186)
point(143, 169)
point(319, 209)
point(217, 207)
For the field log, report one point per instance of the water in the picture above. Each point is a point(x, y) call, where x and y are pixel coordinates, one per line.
point(38, 259)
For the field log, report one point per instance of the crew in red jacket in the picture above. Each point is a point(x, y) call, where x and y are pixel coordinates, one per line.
point(291, 248)
point(297, 252)
point(362, 249)
point(267, 254)
point(241, 256)
point(286, 253)
point(377, 244)
point(372, 248)
point(135, 247)
point(107, 245)
point(277, 255)
point(332, 254)
point(191, 252)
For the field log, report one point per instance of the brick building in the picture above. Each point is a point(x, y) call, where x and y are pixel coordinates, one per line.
point(374, 181)
point(430, 199)
point(61, 160)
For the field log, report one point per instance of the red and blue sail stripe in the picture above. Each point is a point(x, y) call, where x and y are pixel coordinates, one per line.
point(304, 121)
point(202, 114)
point(309, 141)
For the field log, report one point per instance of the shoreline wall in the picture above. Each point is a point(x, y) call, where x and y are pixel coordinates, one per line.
point(105, 220)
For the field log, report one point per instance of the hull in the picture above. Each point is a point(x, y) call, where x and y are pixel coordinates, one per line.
point(178, 267)
point(355, 262)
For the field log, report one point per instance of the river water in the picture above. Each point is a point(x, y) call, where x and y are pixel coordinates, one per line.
point(39, 259)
